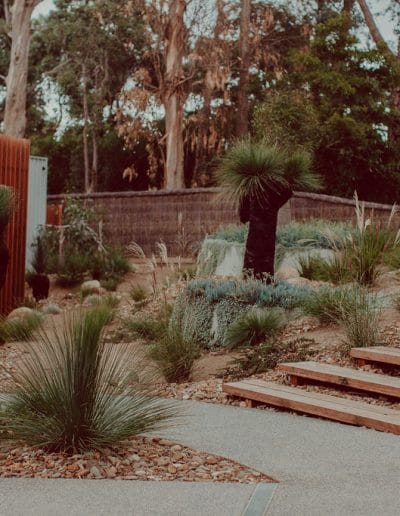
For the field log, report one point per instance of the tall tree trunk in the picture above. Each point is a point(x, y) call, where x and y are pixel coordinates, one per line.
point(372, 26)
point(17, 77)
point(347, 6)
point(95, 163)
point(242, 121)
point(394, 128)
point(174, 96)
point(85, 132)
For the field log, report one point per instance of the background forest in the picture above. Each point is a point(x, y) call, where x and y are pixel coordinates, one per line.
point(141, 94)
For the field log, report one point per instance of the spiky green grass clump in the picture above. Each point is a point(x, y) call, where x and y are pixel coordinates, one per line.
point(254, 327)
point(252, 168)
point(74, 391)
point(174, 355)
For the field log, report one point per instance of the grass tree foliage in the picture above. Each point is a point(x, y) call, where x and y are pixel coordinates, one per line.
point(259, 178)
point(74, 392)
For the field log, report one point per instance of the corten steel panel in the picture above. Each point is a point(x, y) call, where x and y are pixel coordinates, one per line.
point(14, 167)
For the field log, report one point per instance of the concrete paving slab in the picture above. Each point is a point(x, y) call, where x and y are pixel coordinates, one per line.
point(37, 497)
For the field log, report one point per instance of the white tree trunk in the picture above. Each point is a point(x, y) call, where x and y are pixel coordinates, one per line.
point(242, 120)
point(174, 96)
point(85, 132)
point(17, 78)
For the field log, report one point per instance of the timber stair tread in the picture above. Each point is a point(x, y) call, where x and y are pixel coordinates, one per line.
point(381, 354)
point(343, 377)
point(322, 405)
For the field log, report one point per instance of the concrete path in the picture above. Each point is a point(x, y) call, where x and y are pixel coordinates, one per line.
point(323, 468)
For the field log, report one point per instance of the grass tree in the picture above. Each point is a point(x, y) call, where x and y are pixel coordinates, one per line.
point(260, 179)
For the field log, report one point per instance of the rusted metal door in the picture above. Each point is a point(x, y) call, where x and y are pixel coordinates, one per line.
point(14, 170)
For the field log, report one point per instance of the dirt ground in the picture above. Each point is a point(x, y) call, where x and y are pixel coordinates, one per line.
point(213, 362)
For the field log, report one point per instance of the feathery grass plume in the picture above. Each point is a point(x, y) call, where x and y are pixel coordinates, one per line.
point(174, 356)
point(254, 327)
point(20, 329)
point(250, 168)
point(74, 392)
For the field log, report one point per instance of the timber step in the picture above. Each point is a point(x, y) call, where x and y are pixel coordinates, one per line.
point(381, 354)
point(316, 404)
point(343, 377)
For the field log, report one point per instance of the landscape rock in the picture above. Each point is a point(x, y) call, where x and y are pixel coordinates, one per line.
point(90, 287)
point(51, 309)
point(21, 313)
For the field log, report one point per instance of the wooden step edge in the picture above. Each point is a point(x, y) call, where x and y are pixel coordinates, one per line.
point(316, 404)
point(380, 354)
point(343, 377)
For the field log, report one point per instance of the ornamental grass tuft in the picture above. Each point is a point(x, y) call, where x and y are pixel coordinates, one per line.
point(75, 392)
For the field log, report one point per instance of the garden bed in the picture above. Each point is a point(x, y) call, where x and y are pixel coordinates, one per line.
point(141, 458)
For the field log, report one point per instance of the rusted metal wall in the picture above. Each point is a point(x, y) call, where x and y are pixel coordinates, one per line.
point(14, 170)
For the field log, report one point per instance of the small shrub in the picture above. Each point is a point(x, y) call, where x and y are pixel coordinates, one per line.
point(110, 283)
point(254, 327)
point(174, 356)
point(149, 329)
point(21, 328)
point(74, 392)
point(72, 271)
point(267, 355)
point(138, 294)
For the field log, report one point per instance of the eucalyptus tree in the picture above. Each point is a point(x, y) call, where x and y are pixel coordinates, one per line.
point(91, 47)
point(16, 25)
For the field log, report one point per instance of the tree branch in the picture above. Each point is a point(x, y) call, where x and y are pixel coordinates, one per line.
point(7, 13)
point(373, 28)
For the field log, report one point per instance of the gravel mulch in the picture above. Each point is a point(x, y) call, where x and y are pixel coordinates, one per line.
point(140, 458)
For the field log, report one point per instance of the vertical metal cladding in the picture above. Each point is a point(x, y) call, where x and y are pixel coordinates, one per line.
point(14, 170)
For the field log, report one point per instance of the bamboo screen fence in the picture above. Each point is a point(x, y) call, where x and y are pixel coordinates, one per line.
point(14, 170)
point(182, 218)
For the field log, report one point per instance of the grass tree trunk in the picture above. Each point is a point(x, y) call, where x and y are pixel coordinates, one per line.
point(17, 77)
point(174, 97)
point(242, 122)
point(262, 215)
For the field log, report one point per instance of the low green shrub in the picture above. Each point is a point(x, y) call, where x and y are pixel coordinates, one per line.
point(206, 308)
point(75, 393)
point(174, 356)
point(20, 329)
point(138, 294)
point(266, 355)
point(72, 271)
point(111, 283)
point(148, 329)
point(253, 327)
